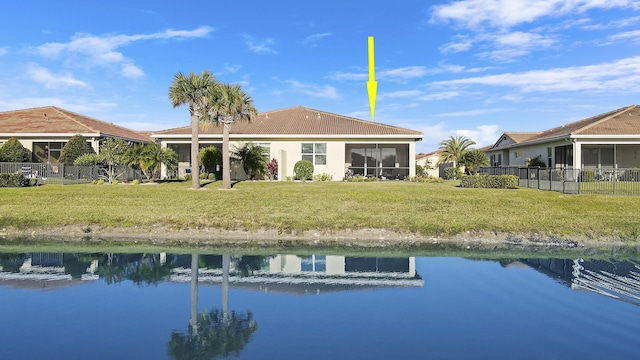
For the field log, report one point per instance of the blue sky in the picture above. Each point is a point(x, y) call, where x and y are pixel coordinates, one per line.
point(467, 67)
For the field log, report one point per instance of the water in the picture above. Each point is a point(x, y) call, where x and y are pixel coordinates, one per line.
point(125, 306)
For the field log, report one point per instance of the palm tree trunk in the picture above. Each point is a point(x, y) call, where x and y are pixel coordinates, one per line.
point(195, 167)
point(194, 291)
point(226, 168)
point(226, 260)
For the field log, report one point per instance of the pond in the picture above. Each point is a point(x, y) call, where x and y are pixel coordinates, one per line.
point(324, 306)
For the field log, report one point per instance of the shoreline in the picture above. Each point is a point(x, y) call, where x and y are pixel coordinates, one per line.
point(356, 238)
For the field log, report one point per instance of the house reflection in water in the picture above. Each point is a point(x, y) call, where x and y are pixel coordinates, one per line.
point(316, 274)
point(47, 271)
point(615, 279)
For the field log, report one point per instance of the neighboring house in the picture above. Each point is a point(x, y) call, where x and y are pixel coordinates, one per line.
point(605, 141)
point(333, 143)
point(429, 162)
point(45, 131)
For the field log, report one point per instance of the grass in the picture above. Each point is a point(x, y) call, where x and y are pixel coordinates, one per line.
point(289, 207)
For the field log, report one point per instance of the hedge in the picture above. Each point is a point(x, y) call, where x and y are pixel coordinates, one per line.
point(13, 180)
point(490, 181)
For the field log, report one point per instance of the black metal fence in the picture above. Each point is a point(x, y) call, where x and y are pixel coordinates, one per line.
point(573, 181)
point(66, 174)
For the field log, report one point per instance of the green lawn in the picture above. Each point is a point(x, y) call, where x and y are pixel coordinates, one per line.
point(425, 209)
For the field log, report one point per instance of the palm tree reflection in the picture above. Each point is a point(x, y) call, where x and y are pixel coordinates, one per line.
point(216, 334)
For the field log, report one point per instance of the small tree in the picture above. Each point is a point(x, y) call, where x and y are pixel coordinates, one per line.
point(153, 156)
point(13, 151)
point(536, 161)
point(75, 147)
point(272, 169)
point(473, 159)
point(253, 159)
point(113, 152)
point(210, 157)
point(303, 170)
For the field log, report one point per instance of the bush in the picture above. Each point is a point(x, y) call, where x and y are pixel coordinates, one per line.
point(323, 177)
point(425, 179)
point(188, 177)
point(211, 176)
point(100, 182)
point(13, 151)
point(355, 178)
point(114, 182)
point(74, 148)
point(490, 181)
point(303, 170)
point(203, 176)
point(452, 173)
point(13, 180)
point(587, 175)
point(136, 182)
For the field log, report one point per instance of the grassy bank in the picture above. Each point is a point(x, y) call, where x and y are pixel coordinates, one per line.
point(425, 209)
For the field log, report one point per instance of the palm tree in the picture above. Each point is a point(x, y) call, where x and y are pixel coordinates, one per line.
point(153, 156)
point(228, 103)
point(193, 91)
point(454, 148)
point(473, 159)
point(253, 159)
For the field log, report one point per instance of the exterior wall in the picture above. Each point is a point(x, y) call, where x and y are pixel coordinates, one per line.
point(516, 155)
point(431, 170)
point(289, 151)
point(28, 142)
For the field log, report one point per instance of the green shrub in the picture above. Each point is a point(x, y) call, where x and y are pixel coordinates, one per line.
point(13, 180)
point(323, 177)
point(74, 148)
point(114, 182)
point(452, 173)
point(303, 170)
point(188, 177)
point(136, 182)
point(13, 151)
point(425, 179)
point(371, 179)
point(490, 181)
point(587, 175)
point(203, 176)
point(355, 178)
point(211, 176)
point(100, 182)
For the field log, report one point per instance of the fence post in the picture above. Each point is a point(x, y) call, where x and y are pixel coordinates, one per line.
point(62, 173)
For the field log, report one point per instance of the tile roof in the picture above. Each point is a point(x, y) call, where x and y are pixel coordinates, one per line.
point(53, 120)
point(299, 121)
point(623, 121)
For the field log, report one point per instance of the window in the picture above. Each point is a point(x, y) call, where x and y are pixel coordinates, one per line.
point(267, 149)
point(518, 154)
point(316, 153)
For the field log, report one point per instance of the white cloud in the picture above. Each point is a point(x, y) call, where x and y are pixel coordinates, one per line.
point(460, 44)
point(94, 50)
point(470, 113)
point(129, 70)
point(403, 73)
point(619, 76)
point(53, 81)
point(399, 94)
point(312, 39)
point(614, 24)
point(260, 47)
point(443, 95)
point(628, 35)
point(321, 91)
point(483, 135)
point(232, 68)
point(509, 13)
point(3, 51)
point(80, 105)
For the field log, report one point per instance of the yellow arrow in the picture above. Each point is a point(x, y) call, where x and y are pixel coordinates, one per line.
point(372, 84)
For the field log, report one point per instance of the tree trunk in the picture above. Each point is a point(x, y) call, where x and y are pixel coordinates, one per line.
point(226, 260)
point(195, 167)
point(194, 291)
point(226, 168)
